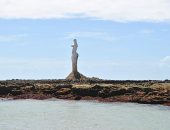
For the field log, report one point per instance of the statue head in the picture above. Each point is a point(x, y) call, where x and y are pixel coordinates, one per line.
point(74, 45)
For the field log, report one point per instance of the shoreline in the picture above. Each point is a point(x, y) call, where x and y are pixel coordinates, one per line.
point(139, 91)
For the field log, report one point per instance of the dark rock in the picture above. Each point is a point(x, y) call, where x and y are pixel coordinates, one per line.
point(48, 91)
point(77, 98)
point(14, 86)
point(118, 92)
point(147, 90)
point(153, 93)
point(16, 92)
point(104, 93)
point(154, 100)
point(29, 88)
point(5, 90)
point(92, 91)
point(108, 92)
point(63, 91)
point(59, 86)
point(133, 89)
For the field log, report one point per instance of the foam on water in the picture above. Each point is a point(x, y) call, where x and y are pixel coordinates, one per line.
point(81, 115)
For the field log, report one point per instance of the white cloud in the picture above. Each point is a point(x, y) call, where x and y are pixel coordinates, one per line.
point(11, 37)
point(165, 62)
point(116, 10)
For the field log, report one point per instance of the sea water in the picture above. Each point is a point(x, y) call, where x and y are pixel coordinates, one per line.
point(81, 115)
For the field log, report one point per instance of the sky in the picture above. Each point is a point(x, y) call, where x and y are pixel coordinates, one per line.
point(117, 39)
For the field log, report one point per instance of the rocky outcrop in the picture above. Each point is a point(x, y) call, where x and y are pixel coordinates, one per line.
point(148, 92)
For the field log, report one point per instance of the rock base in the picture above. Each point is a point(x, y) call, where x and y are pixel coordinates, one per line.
point(76, 76)
point(145, 92)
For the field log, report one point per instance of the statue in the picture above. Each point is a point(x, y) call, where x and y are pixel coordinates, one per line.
point(75, 75)
point(74, 56)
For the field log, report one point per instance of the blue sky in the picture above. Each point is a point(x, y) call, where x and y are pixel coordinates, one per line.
point(38, 46)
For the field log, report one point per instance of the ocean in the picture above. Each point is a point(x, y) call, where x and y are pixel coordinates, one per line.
point(55, 114)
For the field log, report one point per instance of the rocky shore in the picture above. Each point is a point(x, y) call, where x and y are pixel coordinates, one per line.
point(146, 91)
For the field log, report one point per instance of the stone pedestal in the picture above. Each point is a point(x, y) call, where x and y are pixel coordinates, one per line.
point(76, 76)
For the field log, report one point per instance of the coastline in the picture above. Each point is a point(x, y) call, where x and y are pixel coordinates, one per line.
point(134, 91)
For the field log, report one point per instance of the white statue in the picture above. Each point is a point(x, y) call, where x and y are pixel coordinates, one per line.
point(74, 56)
point(75, 75)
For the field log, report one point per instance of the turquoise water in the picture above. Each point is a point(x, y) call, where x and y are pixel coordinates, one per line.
point(81, 115)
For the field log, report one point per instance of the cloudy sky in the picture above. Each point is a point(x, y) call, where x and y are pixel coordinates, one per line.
point(118, 39)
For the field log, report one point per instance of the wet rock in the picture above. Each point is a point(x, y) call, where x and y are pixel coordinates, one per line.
point(48, 91)
point(133, 89)
point(5, 90)
point(29, 88)
point(14, 86)
point(147, 90)
point(16, 92)
point(118, 92)
point(63, 91)
point(90, 91)
point(153, 93)
point(154, 100)
point(59, 86)
point(77, 98)
point(104, 93)
point(41, 86)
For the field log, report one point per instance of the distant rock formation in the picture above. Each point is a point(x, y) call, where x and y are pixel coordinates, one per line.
point(75, 75)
